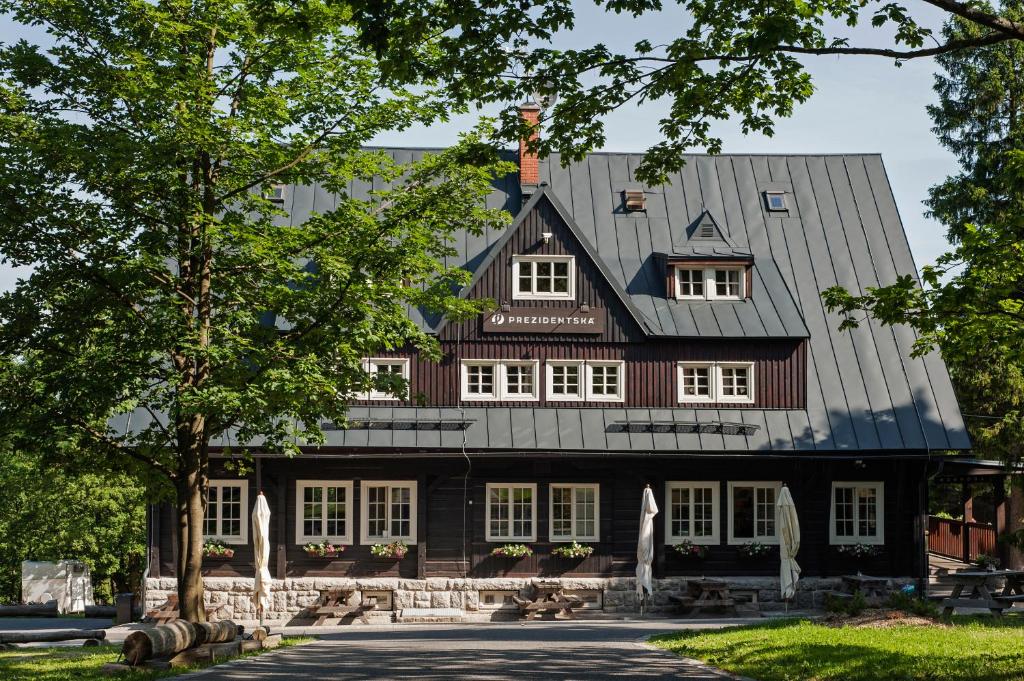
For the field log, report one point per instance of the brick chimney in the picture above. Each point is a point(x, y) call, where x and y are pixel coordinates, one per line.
point(529, 164)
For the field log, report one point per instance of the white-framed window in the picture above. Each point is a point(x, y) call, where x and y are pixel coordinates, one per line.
point(606, 381)
point(543, 277)
point(735, 382)
point(775, 200)
point(388, 511)
point(696, 381)
point(752, 512)
point(574, 512)
point(715, 382)
point(323, 511)
point(690, 283)
point(511, 511)
point(857, 515)
point(275, 193)
point(711, 283)
point(692, 513)
point(390, 366)
point(507, 380)
point(227, 517)
point(565, 380)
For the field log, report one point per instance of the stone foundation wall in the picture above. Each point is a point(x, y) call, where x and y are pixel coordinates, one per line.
point(291, 596)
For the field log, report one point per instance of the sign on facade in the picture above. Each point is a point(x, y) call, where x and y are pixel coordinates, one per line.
point(545, 320)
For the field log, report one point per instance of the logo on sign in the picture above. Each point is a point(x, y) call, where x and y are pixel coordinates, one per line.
point(498, 319)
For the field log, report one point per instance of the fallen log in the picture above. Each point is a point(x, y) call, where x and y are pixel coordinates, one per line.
point(215, 632)
point(50, 636)
point(161, 640)
point(100, 611)
point(30, 610)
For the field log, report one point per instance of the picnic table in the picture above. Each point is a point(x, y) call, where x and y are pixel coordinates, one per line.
point(548, 596)
point(169, 611)
point(874, 589)
point(980, 596)
point(335, 603)
point(705, 593)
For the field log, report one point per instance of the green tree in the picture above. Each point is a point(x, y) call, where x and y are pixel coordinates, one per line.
point(742, 59)
point(972, 303)
point(143, 156)
point(50, 513)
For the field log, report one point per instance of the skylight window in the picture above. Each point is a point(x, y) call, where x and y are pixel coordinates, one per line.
point(776, 201)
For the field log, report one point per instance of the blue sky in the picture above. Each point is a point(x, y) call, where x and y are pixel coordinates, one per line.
point(862, 104)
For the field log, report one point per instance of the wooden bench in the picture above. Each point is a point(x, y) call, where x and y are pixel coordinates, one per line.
point(548, 597)
point(335, 604)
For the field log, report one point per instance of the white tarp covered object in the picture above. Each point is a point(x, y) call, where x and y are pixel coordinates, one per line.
point(66, 581)
point(645, 543)
point(261, 551)
point(789, 543)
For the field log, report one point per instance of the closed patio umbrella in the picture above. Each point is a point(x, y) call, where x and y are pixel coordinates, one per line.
point(261, 551)
point(645, 545)
point(789, 543)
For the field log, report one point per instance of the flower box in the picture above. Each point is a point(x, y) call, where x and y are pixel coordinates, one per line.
point(859, 552)
point(573, 551)
point(324, 550)
point(512, 551)
point(690, 551)
point(217, 549)
point(395, 550)
point(753, 550)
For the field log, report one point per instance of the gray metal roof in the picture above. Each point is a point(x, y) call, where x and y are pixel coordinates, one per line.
point(865, 391)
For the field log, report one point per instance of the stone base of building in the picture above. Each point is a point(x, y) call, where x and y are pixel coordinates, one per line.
point(290, 597)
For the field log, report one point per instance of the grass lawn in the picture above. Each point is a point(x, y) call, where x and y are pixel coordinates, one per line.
point(73, 663)
point(978, 649)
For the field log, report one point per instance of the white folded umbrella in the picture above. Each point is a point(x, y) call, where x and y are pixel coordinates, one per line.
point(789, 543)
point(261, 551)
point(645, 544)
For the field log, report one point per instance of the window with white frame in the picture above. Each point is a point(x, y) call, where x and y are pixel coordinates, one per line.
point(565, 380)
point(574, 513)
point(511, 509)
point(226, 510)
point(857, 515)
point(543, 277)
point(386, 366)
point(692, 512)
point(711, 283)
point(507, 380)
point(715, 382)
point(689, 283)
point(388, 511)
point(696, 381)
point(735, 382)
point(752, 512)
point(605, 381)
point(323, 511)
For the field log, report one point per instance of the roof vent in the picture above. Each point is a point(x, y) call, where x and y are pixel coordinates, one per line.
point(635, 200)
point(707, 231)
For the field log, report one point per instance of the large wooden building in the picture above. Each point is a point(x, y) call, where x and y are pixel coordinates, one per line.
point(671, 336)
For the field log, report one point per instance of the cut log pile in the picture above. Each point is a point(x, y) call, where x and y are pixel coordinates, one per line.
point(30, 610)
point(52, 635)
point(182, 644)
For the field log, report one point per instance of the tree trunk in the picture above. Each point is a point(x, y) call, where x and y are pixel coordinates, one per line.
point(190, 506)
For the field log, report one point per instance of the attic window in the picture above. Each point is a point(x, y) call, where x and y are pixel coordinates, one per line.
point(635, 200)
point(275, 193)
point(776, 201)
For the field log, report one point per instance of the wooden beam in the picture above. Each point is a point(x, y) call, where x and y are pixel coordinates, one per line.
point(966, 497)
point(421, 527)
point(153, 512)
point(1001, 520)
point(281, 569)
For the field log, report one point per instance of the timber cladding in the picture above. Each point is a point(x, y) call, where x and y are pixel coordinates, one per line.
point(447, 541)
point(780, 368)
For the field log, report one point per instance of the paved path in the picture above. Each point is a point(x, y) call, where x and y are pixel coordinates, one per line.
point(538, 650)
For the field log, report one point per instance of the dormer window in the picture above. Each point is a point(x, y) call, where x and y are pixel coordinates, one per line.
point(275, 193)
point(776, 201)
point(543, 277)
point(725, 282)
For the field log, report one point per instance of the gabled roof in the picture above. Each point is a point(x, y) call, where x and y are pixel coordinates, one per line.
point(865, 391)
point(544, 193)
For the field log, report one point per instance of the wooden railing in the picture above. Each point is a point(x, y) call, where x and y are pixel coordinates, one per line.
point(953, 538)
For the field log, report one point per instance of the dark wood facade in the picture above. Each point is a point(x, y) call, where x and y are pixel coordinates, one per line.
point(444, 542)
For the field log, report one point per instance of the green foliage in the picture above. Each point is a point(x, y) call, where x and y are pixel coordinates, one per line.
point(909, 603)
point(48, 513)
point(215, 548)
point(324, 549)
point(396, 549)
point(852, 606)
point(731, 59)
point(512, 551)
point(969, 650)
point(573, 550)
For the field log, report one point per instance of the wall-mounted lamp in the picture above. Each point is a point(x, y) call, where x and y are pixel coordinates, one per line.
point(585, 308)
point(546, 236)
point(505, 307)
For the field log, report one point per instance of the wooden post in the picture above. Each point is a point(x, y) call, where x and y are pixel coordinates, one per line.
point(968, 503)
point(421, 527)
point(1001, 520)
point(282, 526)
point(153, 511)
point(659, 529)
